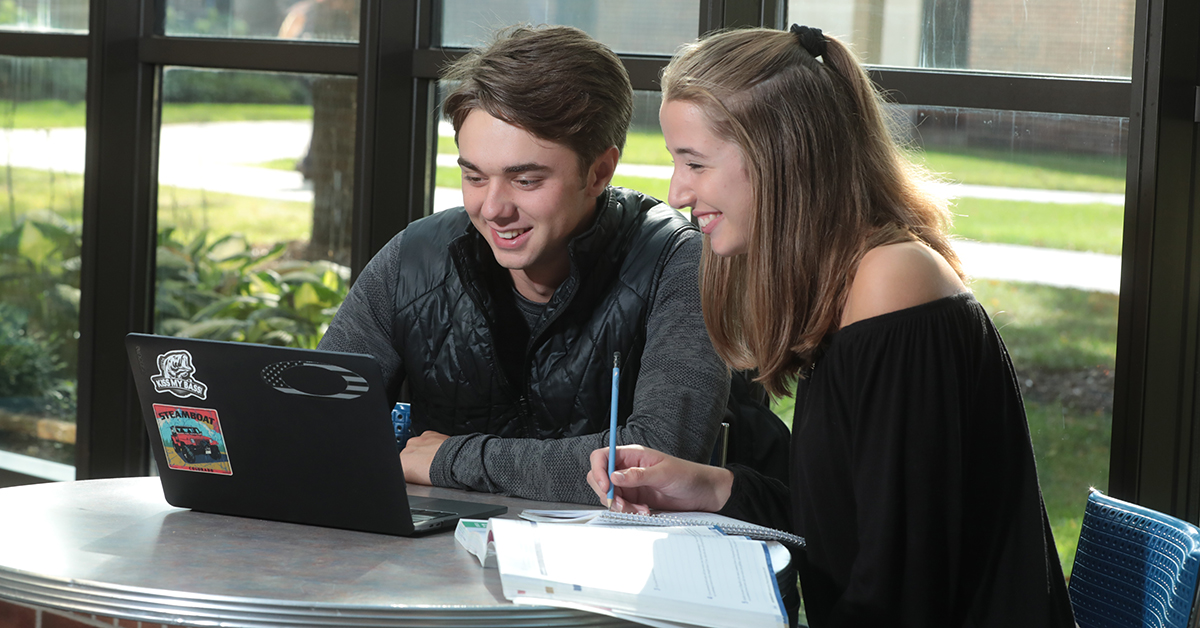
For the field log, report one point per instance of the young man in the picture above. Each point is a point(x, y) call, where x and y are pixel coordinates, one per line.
point(503, 316)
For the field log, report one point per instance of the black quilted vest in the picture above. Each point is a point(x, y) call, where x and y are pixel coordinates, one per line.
point(445, 324)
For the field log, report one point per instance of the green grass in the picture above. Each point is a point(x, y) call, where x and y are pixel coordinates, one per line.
point(1045, 171)
point(657, 188)
point(262, 221)
point(1051, 328)
point(36, 190)
point(175, 113)
point(449, 177)
point(49, 114)
point(645, 148)
point(1073, 227)
point(42, 114)
point(278, 164)
point(1072, 449)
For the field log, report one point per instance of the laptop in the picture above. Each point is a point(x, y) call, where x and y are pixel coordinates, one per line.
point(278, 433)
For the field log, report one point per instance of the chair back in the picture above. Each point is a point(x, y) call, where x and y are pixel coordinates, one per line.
point(1134, 567)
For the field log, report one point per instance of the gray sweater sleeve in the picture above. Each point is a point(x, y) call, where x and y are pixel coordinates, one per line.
point(679, 400)
point(363, 323)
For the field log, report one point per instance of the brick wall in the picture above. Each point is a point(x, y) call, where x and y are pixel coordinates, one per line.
point(22, 616)
point(1089, 37)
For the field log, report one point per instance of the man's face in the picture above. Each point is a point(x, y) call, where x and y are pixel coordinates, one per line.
point(526, 196)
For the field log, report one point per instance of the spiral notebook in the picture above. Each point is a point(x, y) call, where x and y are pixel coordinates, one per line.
point(727, 525)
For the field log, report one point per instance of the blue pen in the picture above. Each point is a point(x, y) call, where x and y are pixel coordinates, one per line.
point(612, 425)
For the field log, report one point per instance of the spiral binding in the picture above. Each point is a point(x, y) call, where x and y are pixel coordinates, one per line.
point(759, 533)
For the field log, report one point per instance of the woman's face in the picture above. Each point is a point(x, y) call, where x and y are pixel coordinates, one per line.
point(710, 177)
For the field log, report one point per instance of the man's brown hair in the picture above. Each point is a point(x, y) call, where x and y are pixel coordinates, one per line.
point(555, 82)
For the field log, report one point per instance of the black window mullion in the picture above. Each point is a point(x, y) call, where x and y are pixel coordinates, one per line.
point(118, 240)
point(712, 15)
point(1010, 92)
point(52, 45)
point(738, 13)
point(1155, 411)
point(256, 55)
point(395, 125)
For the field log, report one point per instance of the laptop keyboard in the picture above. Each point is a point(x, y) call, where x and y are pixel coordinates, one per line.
point(421, 516)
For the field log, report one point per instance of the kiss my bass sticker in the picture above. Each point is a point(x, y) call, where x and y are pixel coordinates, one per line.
point(176, 375)
point(192, 439)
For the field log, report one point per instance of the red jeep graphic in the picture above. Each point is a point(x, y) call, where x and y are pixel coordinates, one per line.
point(189, 443)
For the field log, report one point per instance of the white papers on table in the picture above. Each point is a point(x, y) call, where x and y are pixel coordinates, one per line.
point(695, 579)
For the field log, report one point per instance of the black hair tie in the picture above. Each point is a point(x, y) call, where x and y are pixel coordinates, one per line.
point(811, 38)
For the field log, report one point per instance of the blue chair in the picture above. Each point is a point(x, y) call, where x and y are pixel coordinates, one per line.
point(1134, 567)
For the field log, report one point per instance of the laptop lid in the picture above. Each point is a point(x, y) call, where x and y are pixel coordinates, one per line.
point(278, 433)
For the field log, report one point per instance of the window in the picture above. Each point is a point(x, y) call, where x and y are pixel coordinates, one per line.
point(327, 20)
point(626, 26)
point(1039, 206)
point(42, 137)
point(256, 182)
point(42, 16)
point(1089, 38)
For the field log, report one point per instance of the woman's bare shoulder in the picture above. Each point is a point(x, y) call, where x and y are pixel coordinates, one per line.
point(896, 277)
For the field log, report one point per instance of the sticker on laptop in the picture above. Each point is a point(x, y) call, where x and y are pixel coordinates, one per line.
point(176, 376)
point(192, 439)
point(315, 379)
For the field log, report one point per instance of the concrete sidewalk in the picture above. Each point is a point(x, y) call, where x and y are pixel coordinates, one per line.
point(224, 157)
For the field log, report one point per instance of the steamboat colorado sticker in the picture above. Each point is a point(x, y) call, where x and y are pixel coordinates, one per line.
point(192, 439)
point(175, 376)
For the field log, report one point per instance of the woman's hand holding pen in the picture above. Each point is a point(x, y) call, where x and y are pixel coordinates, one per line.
point(647, 480)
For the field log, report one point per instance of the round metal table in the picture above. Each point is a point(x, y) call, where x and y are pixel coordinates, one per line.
point(115, 547)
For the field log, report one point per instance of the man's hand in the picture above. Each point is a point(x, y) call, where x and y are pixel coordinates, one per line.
point(417, 456)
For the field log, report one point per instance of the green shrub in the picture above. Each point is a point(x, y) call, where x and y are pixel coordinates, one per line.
point(39, 282)
point(28, 368)
point(184, 85)
point(224, 290)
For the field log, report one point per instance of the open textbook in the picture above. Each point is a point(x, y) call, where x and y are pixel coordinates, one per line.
point(727, 525)
point(693, 576)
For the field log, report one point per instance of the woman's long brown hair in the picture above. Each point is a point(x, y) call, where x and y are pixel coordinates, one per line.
point(829, 184)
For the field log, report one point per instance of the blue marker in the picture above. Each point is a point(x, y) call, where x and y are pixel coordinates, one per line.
point(612, 426)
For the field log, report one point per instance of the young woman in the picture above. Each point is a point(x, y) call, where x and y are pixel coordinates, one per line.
point(913, 476)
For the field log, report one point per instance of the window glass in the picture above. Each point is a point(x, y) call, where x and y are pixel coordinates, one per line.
point(42, 145)
point(256, 176)
point(44, 15)
point(328, 20)
point(645, 164)
point(1039, 204)
point(1089, 38)
point(657, 27)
